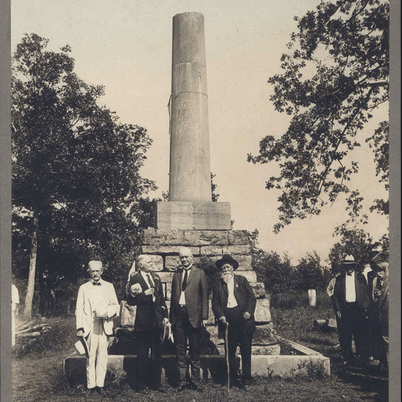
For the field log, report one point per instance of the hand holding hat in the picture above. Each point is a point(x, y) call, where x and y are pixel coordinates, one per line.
point(81, 347)
point(135, 289)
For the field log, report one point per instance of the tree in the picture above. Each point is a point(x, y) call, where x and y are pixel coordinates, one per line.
point(76, 182)
point(335, 77)
point(355, 242)
point(312, 274)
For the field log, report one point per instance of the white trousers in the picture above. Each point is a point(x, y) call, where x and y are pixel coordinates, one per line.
point(97, 361)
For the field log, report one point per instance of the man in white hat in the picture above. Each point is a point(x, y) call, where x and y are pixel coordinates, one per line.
point(96, 305)
point(351, 303)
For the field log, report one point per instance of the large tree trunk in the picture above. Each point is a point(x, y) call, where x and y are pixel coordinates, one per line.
point(31, 275)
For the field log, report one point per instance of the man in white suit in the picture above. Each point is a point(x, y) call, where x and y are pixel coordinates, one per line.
point(96, 305)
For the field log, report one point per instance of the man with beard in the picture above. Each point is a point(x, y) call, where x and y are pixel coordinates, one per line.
point(233, 304)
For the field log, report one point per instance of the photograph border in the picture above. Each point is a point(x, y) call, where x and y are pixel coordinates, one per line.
point(5, 200)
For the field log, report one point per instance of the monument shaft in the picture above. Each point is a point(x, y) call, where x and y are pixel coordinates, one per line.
point(190, 203)
point(190, 171)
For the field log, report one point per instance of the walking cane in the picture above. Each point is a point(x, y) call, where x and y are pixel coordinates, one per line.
point(227, 353)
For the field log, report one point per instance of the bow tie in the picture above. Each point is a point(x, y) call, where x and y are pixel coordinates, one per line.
point(350, 274)
point(96, 283)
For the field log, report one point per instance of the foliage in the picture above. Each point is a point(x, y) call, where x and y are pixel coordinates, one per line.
point(75, 169)
point(215, 196)
point(312, 274)
point(207, 264)
point(276, 273)
point(336, 76)
point(355, 242)
point(279, 275)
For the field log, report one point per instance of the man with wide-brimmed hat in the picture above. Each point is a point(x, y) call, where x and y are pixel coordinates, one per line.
point(380, 297)
point(351, 303)
point(96, 305)
point(233, 303)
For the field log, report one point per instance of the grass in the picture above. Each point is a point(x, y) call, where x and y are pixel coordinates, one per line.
point(38, 375)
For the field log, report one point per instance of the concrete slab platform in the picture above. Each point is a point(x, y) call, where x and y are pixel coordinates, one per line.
point(306, 363)
point(288, 366)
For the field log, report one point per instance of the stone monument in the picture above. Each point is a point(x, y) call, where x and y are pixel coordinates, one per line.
point(190, 218)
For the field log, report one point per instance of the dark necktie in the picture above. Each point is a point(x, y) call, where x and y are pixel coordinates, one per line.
point(150, 280)
point(96, 283)
point(183, 286)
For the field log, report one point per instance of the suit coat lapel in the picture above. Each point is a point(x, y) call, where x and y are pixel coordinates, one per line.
point(141, 281)
point(224, 287)
point(191, 275)
point(236, 287)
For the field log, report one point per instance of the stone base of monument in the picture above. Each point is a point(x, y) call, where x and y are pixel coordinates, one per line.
point(266, 360)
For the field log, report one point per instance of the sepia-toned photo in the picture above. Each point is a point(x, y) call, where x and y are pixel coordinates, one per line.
point(200, 201)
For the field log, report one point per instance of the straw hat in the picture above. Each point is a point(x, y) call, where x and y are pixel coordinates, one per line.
point(349, 262)
point(81, 346)
point(101, 312)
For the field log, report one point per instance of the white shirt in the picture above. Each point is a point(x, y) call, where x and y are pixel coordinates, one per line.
point(231, 297)
point(97, 297)
point(350, 288)
point(331, 287)
point(366, 271)
point(182, 299)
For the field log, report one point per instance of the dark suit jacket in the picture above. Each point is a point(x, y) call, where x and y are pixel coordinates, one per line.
point(244, 296)
point(196, 294)
point(149, 314)
point(362, 298)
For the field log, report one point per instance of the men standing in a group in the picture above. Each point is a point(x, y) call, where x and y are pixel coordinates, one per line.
point(188, 313)
point(144, 291)
point(233, 304)
point(96, 305)
point(351, 303)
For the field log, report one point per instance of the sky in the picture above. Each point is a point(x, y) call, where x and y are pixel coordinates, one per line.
point(127, 47)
